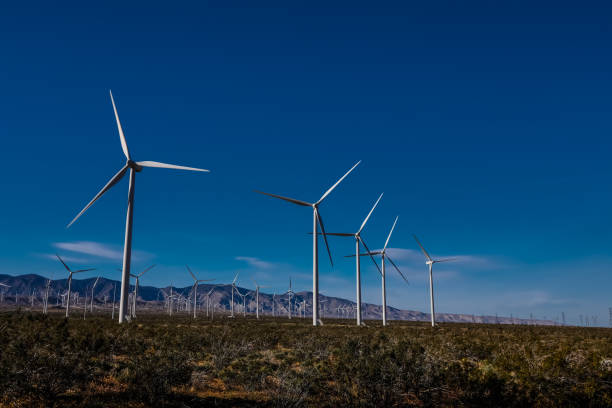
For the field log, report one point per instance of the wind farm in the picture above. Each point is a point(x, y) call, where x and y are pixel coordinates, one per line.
point(451, 158)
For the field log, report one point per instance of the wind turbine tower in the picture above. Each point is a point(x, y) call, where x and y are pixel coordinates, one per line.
point(317, 221)
point(430, 262)
point(70, 272)
point(358, 242)
point(134, 168)
point(195, 289)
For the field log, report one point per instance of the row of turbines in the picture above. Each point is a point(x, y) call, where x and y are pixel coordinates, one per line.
point(188, 302)
point(137, 166)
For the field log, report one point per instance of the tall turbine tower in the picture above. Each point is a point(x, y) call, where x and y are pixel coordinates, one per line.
point(70, 281)
point(234, 289)
point(257, 287)
point(384, 257)
point(134, 167)
point(137, 277)
point(359, 241)
point(316, 221)
point(430, 262)
point(195, 289)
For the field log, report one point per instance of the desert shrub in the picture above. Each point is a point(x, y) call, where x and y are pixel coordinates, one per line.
point(151, 375)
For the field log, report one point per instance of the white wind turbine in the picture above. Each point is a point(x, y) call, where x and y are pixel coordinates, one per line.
point(134, 167)
point(195, 289)
point(257, 287)
point(384, 257)
point(92, 293)
point(290, 293)
point(243, 296)
point(210, 292)
point(316, 221)
point(136, 285)
point(70, 281)
point(430, 263)
point(359, 240)
point(234, 289)
point(46, 300)
point(4, 285)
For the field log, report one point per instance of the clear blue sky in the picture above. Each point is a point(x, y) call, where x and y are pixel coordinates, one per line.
point(486, 125)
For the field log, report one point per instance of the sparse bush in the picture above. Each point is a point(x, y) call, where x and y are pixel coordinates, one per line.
point(154, 361)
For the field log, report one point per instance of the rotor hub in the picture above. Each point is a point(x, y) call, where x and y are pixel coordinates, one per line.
point(133, 165)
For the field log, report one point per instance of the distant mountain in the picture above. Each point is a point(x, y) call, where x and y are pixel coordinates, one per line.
point(25, 289)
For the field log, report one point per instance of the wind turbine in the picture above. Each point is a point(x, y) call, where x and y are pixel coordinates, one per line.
point(210, 292)
point(359, 240)
point(243, 301)
point(384, 257)
point(4, 286)
point(46, 301)
point(136, 285)
point(134, 167)
point(92, 293)
point(70, 280)
point(234, 289)
point(257, 297)
point(195, 289)
point(290, 293)
point(316, 221)
point(430, 262)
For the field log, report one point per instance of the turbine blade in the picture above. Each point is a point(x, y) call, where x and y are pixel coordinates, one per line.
point(336, 234)
point(422, 249)
point(337, 182)
point(398, 270)
point(191, 273)
point(445, 260)
point(370, 213)
point(168, 166)
point(107, 187)
point(320, 220)
point(63, 263)
point(84, 270)
point(121, 135)
point(370, 254)
point(364, 254)
point(390, 232)
point(235, 277)
point(291, 200)
point(146, 270)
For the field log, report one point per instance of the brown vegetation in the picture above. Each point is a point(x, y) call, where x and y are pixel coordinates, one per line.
point(49, 361)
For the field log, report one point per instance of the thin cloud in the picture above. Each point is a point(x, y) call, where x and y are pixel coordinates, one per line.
point(533, 298)
point(255, 262)
point(415, 256)
point(100, 250)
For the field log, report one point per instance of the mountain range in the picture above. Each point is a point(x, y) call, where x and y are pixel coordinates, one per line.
point(27, 290)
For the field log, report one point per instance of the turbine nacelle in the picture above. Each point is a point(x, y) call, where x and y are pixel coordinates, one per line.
point(133, 165)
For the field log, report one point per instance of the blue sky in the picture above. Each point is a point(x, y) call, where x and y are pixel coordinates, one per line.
point(486, 125)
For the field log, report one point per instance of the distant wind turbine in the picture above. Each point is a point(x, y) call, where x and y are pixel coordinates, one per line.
point(70, 281)
point(134, 167)
point(234, 289)
point(290, 293)
point(316, 220)
point(136, 285)
point(92, 293)
point(384, 257)
point(195, 289)
point(257, 287)
point(430, 263)
point(359, 240)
